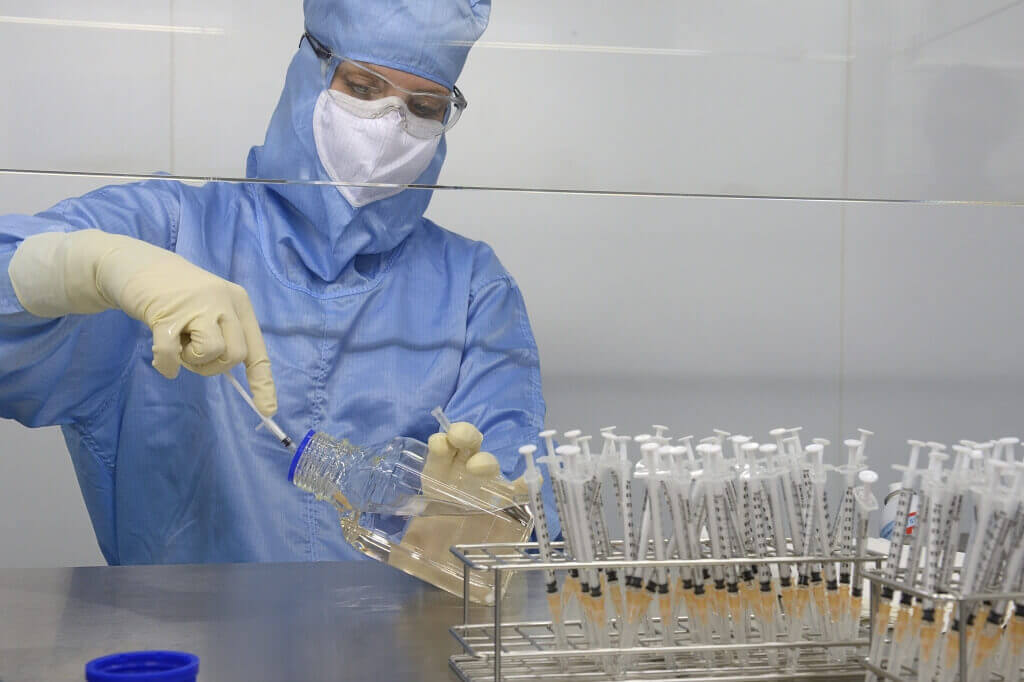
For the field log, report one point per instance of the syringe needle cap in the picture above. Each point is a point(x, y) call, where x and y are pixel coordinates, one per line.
point(442, 419)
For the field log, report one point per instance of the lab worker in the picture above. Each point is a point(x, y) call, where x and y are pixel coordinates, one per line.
point(341, 307)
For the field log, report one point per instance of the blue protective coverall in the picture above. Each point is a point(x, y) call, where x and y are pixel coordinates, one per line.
point(371, 317)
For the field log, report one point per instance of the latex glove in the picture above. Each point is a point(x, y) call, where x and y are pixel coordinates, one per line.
point(198, 320)
point(458, 452)
point(454, 460)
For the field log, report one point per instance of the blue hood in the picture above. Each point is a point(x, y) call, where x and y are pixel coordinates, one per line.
point(320, 231)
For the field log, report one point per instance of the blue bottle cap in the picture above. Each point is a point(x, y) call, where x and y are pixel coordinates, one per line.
point(143, 666)
point(298, 454)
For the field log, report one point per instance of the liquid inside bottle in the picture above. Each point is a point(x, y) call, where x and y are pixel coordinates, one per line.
point(392, 512)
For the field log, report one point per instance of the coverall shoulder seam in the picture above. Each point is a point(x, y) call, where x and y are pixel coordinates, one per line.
point(174, 216)
point(507, 279)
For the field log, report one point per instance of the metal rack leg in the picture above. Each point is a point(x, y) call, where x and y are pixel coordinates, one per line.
point(497, 625)
point(465, 594)
point(961, 614)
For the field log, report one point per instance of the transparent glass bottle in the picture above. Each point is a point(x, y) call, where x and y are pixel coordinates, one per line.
point(391, 511)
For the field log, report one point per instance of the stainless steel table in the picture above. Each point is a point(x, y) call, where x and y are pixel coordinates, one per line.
point(325, 621)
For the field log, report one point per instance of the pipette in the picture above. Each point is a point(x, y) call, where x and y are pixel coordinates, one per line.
point(271, 425)
point(534, 480)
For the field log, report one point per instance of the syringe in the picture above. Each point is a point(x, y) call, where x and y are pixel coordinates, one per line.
point(271, 425)
point(892, 561)
point(578, 474)
point(726, 593)
point(571, 584)
point(905, 637)
point(764, 603)
point(992, 517)
point(842, 537)
point(774, 482)
point(829, 592)
point(652, 454)
point(866, 504)
point(534, 480)
point(988, 637)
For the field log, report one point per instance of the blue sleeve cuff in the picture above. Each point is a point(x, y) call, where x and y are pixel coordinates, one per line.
point(9, 303)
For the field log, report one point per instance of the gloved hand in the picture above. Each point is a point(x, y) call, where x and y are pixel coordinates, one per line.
point(457, 453)
point(198, 320)
point(454, 460)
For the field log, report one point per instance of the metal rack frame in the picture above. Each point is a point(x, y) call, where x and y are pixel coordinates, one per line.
point(960, 603)
point(526, 650)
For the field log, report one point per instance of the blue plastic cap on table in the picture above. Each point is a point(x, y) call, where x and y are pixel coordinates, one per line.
point(143, 666)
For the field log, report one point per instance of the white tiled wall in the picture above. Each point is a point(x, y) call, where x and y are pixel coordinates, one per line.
point(694, 312)
point(937, 100)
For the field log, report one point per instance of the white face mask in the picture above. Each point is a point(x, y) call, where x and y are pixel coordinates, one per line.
point(359, 148)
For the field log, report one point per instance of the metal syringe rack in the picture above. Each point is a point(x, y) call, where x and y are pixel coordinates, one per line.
point(526, 650)
point(951, 595)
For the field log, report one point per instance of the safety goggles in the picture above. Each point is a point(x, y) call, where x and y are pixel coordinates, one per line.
point(424, 114)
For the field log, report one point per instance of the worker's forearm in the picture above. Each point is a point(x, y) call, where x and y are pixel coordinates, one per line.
point(55, 273)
